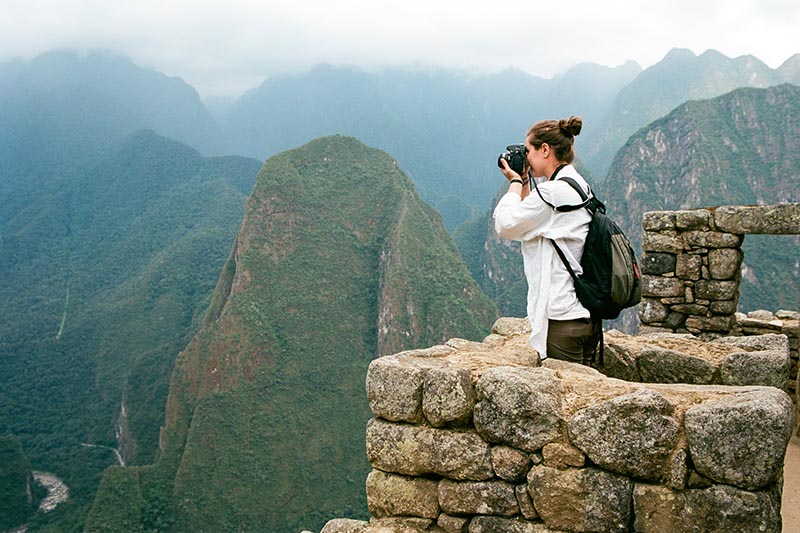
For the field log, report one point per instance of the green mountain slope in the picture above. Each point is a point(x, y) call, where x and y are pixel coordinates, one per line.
point(102, 284)
point(739, 148)
point(679, 77)
point(337, 261)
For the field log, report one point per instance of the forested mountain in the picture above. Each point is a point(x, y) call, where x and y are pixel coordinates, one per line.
point(741, 148)
point(338, 260)
point(445, 128)
point(679, 77)
point(103, 281)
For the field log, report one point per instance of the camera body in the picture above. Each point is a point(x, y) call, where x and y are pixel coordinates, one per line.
point(516, 156)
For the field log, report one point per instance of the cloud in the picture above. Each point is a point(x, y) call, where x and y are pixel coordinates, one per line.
point(229, 47)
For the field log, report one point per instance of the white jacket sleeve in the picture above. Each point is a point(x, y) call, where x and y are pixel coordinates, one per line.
point(520, 220)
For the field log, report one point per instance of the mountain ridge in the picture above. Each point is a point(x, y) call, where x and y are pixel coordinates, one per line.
point(333, 235)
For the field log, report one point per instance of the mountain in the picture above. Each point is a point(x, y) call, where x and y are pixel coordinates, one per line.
point(739, 148)
point(60, 110)
point(679, 77)
point(790, 70)
point(445, 128)
point(103, 281)
point(337, 260)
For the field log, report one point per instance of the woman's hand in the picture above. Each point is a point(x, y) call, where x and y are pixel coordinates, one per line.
point(507, 172)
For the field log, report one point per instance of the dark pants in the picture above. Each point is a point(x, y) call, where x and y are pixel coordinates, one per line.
point(573, 340)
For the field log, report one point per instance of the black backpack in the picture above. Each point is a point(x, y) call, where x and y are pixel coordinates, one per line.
point(611, 280)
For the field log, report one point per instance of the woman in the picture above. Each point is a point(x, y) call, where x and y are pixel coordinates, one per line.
point(560, 325)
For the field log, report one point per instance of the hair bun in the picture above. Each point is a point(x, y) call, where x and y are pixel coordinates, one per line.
point(571, 125)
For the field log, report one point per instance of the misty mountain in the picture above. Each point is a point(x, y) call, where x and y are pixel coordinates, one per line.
point(679, 77)
point(741, 148)
point(62, 109)
point(338, 260)
point(445, 128)
point(103, 282)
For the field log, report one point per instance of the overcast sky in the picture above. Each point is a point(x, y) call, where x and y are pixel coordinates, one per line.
point(226, 47)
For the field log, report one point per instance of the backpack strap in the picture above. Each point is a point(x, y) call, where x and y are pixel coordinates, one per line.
point(564, 259)
point(585, 199)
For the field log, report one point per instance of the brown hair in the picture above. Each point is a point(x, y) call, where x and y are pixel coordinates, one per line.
point(559, 134)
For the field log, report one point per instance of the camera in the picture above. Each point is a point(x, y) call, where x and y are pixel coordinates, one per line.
point(515, 155)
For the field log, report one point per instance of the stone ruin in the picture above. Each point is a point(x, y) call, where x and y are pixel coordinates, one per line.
point(685, 429)
point(479, 438)
point(691, 271)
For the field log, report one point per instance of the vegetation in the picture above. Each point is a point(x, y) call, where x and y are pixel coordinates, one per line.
point(338, 260)
point(117, 270)
point(16, 484)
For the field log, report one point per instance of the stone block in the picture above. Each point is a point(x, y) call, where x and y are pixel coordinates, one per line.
point(699, 219)
point(656, 242)
point(724, 263)
point(761, 219)
point(766, 367)
point(718, 508)
point(525, 502)
point(720, 323)
point(658, 263)
point(710, 239)
point(619, 362)
point(688, 266)
point(675, 320)
point(770, 341)
point(741, 440)
point(507, 326)
point(394, 389)
point(510, 464)
point(716, 290)
point(478, 497)
point(658, 287)
point(633, 434)
point(658, 220)
point(419, 450)
point(561, 455)
point(662, 365)
point(678, 470)
point(652, 310)
point(690, 309)
point(447, 396)
point(520, 407)
point(393, 495)
point(585, 499)
point(496, 524)
point(345, 525)
point(452, 524)
point(722, 307)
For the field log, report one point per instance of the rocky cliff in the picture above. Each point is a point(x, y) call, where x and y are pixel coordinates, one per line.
point(265, 416)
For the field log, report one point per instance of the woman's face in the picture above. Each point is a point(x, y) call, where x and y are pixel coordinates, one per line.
point(535, 159)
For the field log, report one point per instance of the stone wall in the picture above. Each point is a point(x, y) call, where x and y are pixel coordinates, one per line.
point(691, 271)
point(479, 438)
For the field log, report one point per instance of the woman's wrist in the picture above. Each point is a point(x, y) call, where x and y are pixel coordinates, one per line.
point(517, 180)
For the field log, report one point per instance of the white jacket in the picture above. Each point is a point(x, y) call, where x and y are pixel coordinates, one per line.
point(551, 292)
